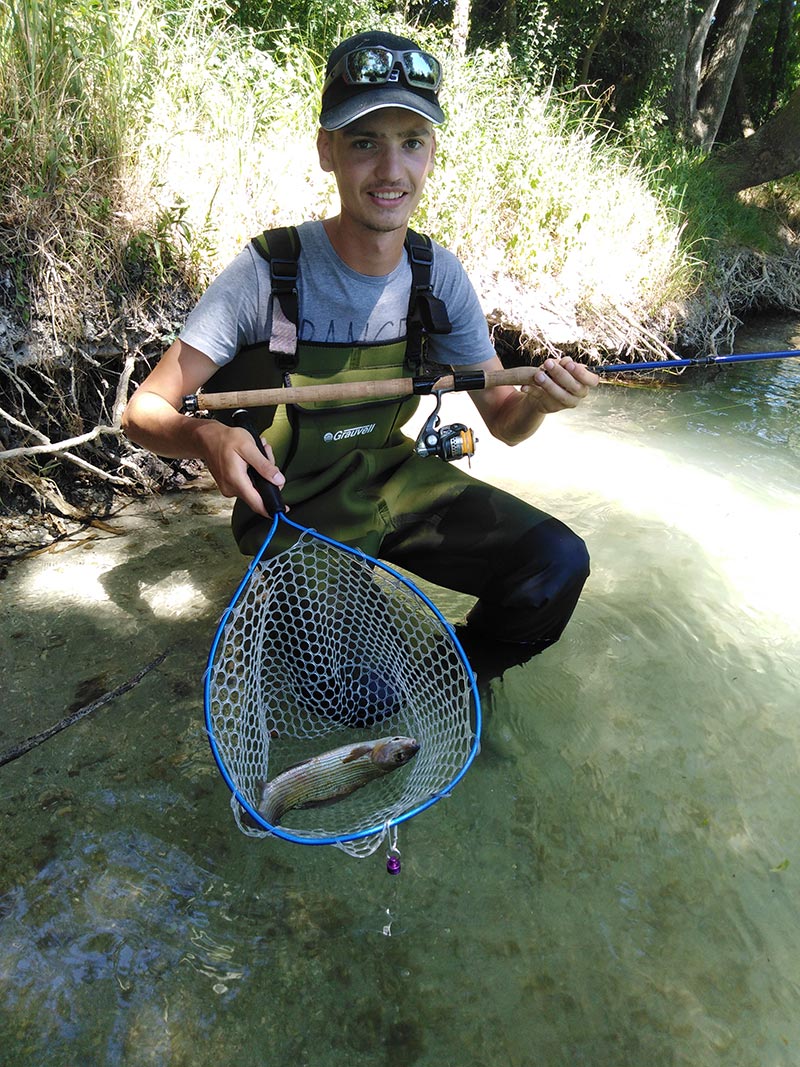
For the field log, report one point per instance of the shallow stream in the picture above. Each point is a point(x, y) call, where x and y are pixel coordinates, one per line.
point(615, 881)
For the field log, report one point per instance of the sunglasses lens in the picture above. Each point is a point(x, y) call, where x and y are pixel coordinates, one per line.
point(369, 65)
point(422, 69)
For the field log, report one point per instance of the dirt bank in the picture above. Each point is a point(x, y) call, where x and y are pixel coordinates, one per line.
point(64, 463)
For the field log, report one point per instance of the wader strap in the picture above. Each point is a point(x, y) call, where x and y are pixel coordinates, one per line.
point(426, 313)
point(281, 249)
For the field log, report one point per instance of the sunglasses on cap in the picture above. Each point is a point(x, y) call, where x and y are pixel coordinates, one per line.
point(376, 66)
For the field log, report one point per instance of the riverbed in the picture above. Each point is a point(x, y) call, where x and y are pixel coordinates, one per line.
point(615, 880)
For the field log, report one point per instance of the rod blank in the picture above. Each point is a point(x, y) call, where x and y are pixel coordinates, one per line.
point(401, 387)
point(700, 361)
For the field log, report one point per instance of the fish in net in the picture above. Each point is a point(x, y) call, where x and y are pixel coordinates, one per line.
point(322, 647)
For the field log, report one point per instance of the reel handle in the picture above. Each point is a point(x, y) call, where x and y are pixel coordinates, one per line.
point(269, 492)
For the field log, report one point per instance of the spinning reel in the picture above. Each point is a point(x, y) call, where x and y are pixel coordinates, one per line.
point(450, 443)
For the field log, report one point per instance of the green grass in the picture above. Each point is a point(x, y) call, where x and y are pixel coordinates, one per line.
point(539, 192)
point(143, 139)
point(73, 94)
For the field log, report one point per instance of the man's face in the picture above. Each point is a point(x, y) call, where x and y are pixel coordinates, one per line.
point(380, 163)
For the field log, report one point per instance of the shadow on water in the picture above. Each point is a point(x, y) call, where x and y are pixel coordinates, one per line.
point(614, 882)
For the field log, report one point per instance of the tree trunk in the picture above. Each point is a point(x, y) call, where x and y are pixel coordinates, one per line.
point(599, 30)
point(771, 153)
point(708, 48)
point(741, 106)
point(460, 26)
point(780, 52)
point(720, 67)
point(686, 42)
point(510, 20)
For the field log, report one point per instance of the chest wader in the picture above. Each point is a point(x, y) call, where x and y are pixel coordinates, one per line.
point(352, 474)
point(335, 455)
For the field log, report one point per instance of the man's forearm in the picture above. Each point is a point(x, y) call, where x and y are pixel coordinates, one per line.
point(152, 422)
point(517, 420)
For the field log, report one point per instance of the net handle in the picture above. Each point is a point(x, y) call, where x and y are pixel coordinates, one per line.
point(269, 492)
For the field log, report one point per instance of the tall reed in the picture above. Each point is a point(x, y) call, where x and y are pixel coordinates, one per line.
point(537, 197)
point(72, 93)
point(145, 134)
point(67, 81)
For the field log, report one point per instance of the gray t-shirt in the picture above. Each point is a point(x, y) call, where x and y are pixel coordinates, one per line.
point(337, 305)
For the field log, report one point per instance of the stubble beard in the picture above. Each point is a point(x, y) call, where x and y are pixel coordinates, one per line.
point(375, 227)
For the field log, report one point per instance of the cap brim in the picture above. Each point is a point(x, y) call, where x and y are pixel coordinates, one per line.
point(334, 118)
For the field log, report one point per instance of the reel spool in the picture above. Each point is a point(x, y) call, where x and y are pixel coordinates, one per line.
point(449, 443)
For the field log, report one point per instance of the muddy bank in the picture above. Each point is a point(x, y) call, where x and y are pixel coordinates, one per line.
point(64, 463)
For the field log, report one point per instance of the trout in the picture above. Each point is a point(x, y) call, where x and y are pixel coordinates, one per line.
point(333, 775)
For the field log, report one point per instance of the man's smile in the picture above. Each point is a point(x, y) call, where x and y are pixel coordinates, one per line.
point(387, 196)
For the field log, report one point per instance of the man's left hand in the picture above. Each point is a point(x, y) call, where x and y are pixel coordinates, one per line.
point(559, 384)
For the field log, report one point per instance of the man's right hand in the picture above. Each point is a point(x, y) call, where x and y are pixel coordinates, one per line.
point(229, 452)
point(153, 420)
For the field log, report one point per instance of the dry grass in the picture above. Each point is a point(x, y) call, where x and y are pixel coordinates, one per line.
point(142, 146)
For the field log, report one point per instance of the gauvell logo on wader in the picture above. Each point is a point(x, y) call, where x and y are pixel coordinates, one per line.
point(350, 432)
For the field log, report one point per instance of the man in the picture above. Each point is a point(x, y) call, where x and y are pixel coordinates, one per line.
point(354, 279)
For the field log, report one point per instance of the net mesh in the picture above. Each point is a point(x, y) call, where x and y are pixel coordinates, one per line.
point(323, 648)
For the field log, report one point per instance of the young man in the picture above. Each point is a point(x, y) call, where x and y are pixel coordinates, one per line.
point(366, 485)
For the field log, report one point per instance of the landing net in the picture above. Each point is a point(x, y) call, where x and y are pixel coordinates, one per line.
point(321, 647)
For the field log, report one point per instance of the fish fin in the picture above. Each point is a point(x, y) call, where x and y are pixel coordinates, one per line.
point(357, 753)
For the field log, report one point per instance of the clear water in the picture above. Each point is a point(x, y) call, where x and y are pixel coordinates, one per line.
point(615, 882)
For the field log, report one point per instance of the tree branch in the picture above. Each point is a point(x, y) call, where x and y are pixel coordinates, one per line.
point(50, 446)
point(19, 750)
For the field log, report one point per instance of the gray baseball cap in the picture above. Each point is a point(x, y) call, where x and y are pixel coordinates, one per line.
point(361, 77)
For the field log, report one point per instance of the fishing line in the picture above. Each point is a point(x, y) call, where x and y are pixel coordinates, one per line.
point(706, 411)
point(702, 361)
point(393, 866)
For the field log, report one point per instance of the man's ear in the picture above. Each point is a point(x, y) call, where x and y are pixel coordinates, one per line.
point(325, 150)
point(432, 162)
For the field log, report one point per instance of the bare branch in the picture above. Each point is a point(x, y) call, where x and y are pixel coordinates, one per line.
point(75, 716)
point(58, 446)
point(121, 398)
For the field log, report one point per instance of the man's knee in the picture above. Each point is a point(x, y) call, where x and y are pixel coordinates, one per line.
point(534, 594)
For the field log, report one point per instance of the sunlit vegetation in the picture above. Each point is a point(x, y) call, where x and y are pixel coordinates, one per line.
point(143, 143)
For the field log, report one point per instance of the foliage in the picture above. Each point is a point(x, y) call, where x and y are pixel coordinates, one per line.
point(618, 50)
point(713, 220)
point(246, 119)
point(152, 138)
point(627, 53)
point(73, 86)
point(63, 73)
point(318, 24)
point(766, 88)
point(527, 187)
point(539, 193)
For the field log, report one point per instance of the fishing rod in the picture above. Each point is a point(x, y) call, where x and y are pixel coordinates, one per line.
point(698, 361)
point(423, 385)
point(426, 385)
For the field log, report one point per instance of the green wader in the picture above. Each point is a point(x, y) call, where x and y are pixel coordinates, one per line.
point(353, 475)
point(336, 456)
